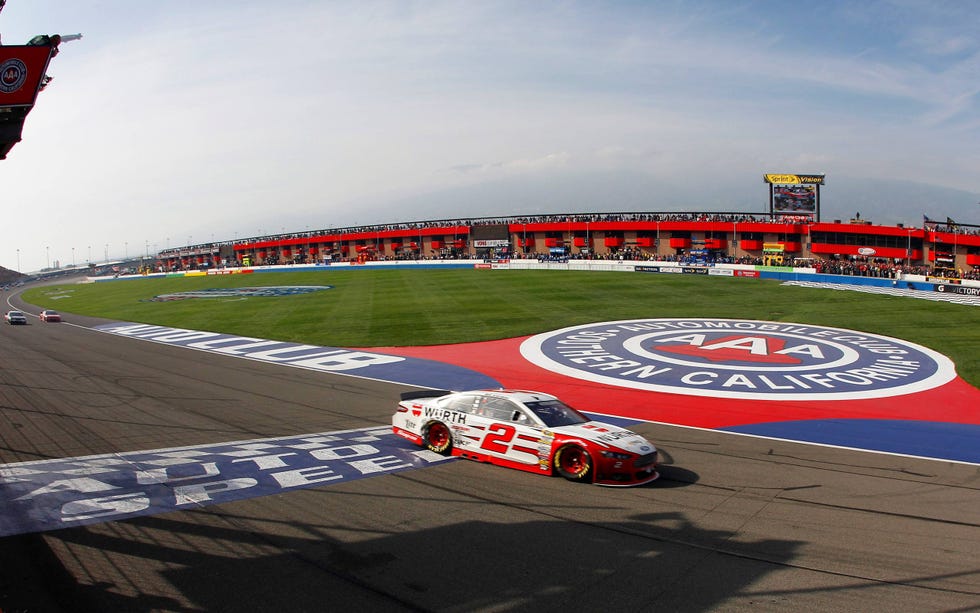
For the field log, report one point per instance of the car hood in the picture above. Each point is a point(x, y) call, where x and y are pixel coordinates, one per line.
point(608, 435)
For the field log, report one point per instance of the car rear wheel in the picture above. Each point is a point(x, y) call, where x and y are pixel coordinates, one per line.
point(573, 463)
point(438, 438)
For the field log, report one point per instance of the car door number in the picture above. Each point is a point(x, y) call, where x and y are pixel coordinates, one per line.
point(498, 438)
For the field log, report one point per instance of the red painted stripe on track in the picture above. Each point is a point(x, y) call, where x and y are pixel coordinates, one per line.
point(955, 402)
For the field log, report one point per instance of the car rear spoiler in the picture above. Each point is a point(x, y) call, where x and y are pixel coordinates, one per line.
point(424, 394)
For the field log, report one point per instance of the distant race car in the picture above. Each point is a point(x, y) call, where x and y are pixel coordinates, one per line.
point(529, 431)
point(15, 317)
point(49, 315)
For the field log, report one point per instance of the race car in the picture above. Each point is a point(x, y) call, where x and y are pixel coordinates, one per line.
point(49, 315)
point(526, 430)
point(15, 318)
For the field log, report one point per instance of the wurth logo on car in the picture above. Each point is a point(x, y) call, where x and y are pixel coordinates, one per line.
point(445, 415)
point(733, 358)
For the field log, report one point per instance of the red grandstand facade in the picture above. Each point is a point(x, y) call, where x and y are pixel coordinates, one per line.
point(707, 237)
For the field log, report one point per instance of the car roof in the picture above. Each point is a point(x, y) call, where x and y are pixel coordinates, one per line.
point(522, 396)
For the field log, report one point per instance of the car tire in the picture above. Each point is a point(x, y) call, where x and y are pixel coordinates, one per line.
point(573, 463)
point(438, 438)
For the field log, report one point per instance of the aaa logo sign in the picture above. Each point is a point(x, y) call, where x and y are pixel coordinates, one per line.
point(241, 292)
point(732, 358)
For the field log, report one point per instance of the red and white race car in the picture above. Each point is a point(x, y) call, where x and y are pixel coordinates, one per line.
point(49, 315)
point(529, 431)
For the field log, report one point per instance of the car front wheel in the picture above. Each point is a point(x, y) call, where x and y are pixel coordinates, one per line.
point(438, 438)
point(573, 463)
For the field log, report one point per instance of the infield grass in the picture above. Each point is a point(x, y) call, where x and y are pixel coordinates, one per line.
point(377, 308)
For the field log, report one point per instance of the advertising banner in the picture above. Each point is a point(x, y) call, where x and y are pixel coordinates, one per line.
point(793, 179)
point(958, 289)
point(21, 69)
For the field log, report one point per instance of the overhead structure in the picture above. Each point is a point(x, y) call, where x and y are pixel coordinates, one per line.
point(23, 73)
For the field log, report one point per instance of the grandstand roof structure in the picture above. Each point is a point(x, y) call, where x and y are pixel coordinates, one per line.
point(708, 237)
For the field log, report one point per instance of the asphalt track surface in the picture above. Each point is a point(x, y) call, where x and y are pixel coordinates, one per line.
point(735, 523)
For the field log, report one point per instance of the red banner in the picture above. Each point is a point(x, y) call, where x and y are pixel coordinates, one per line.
point(21, 69)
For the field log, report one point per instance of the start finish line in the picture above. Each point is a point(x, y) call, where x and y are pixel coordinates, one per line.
point(52, 494)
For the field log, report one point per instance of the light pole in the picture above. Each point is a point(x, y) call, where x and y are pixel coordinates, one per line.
point(106, 253)
point(73, 257)
point(47, 251)
point(955, 229)
point(18, 259)
point(908, 251)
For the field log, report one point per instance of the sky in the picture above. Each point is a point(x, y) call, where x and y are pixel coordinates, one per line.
point(183, 122)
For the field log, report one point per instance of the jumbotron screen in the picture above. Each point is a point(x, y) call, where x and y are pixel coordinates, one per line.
point(794, 194)
point(796, 199)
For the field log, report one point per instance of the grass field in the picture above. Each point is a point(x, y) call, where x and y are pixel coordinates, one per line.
point(371, 308)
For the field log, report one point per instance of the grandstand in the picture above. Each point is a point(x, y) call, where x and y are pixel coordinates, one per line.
point(681, 236)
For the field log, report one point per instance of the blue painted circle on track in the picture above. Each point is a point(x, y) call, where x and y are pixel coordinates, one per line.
point(734, 358)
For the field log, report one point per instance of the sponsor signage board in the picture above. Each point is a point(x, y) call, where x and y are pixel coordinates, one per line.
point(793, 179)
point(21, 69)
point(490, 243)
point(948, 288)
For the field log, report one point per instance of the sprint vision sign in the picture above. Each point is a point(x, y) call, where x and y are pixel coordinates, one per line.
point(735, 358)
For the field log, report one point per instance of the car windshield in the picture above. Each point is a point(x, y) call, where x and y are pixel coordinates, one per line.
point(556, 413)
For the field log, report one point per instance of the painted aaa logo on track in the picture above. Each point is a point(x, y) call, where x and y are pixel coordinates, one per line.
point(734, 358)
point(241, 292)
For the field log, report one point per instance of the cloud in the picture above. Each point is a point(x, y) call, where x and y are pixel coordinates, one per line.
point(523, 165)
